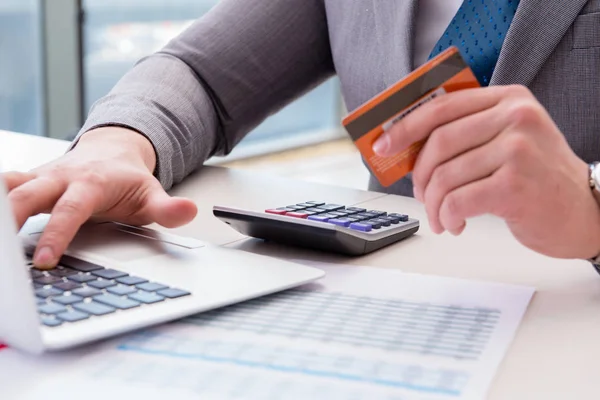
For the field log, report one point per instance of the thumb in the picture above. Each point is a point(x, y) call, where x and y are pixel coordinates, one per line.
point(167, 211)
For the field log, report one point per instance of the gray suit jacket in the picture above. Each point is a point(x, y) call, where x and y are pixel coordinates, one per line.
point(246, 59)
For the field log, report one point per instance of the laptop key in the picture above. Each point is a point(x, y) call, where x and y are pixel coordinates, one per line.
point(47, 292)
point(121, 290)
point(79, 265)
point(173, 293)
point(68, 299)
point(82, 277)
point(122, 303)
point(67, 286)
point(146, 297)
point(35, 273)
point(52, 308)
point(151, 286)
point(131, 280)
point(94, 308)
point(62, 272)
point(73, 316)
point(87, 291)
point(101, 284)
point(47, 280)
point(50, 321)
point(109, 274)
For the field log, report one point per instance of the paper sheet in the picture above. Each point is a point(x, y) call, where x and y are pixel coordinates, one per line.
point(360, 333)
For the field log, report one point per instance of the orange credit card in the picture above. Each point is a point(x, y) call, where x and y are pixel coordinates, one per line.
point(448, 72)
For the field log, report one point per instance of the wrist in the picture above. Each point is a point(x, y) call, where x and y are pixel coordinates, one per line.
point(127, 140)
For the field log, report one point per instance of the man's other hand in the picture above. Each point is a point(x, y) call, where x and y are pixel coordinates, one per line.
point(108, 175)
point(497, 151)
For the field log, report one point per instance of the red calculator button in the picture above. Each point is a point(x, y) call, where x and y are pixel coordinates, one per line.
point(277, 212)
point(297, 214)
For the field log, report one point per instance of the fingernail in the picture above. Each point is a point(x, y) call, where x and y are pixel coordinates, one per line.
point(382, 145)
point(44, 257)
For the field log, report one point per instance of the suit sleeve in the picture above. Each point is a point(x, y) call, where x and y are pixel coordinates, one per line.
point(202, 93)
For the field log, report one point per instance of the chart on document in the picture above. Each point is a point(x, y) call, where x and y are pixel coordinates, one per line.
point(360, 334)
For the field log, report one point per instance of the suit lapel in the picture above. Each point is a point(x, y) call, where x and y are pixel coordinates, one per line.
point(536, 30)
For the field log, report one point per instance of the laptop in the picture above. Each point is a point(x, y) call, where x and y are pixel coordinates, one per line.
point(116, 278)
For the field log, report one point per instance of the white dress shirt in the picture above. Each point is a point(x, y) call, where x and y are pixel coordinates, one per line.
point(433, 18)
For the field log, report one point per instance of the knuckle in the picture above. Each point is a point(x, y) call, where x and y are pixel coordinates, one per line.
point(518, 91)
point(19, 195)
point(68, 207)
point(441, 176)
point(512, 181)
point(524, 113)
point(453, 205)
point(518, 147)
point(440, 140)
point(93, 177)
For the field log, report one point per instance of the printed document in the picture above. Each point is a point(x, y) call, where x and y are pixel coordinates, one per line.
point(359, 333)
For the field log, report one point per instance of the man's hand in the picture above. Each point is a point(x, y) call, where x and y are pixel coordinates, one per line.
point(108, 175)
point(497, 151)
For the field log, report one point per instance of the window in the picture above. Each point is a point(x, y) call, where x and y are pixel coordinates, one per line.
point(21, 86)
point(54, 65)
point(118, 33)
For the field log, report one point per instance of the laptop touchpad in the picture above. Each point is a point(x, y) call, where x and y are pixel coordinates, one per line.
point(124, 243)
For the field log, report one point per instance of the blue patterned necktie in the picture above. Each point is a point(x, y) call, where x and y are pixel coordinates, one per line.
point(478, 30)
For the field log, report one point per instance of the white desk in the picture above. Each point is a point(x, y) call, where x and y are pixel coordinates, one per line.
point(556, 354)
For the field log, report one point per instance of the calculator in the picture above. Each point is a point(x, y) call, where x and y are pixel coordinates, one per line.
point(322, 226)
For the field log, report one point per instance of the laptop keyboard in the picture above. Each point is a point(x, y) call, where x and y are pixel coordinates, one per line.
point(77, 290)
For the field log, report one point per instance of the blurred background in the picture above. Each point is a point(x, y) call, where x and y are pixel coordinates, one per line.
point(57, 57)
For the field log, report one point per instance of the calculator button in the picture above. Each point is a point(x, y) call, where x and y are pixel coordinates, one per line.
point(393, 220)
point(319, 218)
point(315, 210)
point(356, 209)
point(367, 215)
point(382, 221)
point(276, 212)
point(345, 222)
point(374, 224)
point(297, 214)
point(354, 219)
point(295, 207)
point(403, 217)
point(360, 226)
point(378, 213)
point(305, 205)
point(315, 203)
point(331, 207)
point(339, 213)
point(286, 209)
